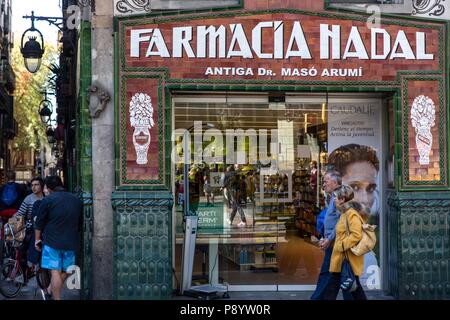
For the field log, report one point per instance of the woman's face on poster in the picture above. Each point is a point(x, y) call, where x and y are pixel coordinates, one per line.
point(362, 177)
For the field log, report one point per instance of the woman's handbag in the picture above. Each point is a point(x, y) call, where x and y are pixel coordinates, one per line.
point(368, 240)
point(348, 280)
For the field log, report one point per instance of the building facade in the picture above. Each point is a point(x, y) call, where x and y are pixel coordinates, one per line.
point(266, 96)
point(8, 126)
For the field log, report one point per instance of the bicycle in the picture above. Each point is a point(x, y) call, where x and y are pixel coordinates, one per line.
point(7, 240)
point(13, 278)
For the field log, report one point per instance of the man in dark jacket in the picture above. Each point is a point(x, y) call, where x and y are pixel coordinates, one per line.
point(59, 214)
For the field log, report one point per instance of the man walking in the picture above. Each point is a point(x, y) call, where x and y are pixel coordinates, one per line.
point(331, 181)
point(59, 214)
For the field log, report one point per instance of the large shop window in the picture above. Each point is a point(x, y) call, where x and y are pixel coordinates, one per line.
point(255, 182)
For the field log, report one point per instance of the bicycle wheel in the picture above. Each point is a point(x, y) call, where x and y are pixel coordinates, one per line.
point(11, 280)
point(43, 278)
point(9, 251)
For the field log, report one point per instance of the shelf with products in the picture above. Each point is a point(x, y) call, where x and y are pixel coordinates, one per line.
point(304, 203)
point(265, 257)
point(251, 256)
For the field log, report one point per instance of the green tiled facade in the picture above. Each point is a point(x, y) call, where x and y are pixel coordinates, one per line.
point(418, 223)
point(84, 159)
point(419, 245)
point(142, 245)
point(86, 246)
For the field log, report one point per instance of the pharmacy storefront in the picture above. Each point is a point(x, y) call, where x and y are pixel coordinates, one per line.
point(235, 115)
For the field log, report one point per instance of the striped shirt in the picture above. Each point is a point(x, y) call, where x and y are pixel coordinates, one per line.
point(26, 209)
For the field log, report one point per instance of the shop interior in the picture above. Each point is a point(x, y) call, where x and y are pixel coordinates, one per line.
point(272, 239)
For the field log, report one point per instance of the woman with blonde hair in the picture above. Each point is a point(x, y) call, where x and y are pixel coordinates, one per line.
point(348, 234)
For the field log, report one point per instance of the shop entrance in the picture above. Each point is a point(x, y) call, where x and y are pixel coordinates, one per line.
point(257, 163)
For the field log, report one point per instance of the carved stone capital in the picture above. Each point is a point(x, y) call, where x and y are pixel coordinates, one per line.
point(99, 100)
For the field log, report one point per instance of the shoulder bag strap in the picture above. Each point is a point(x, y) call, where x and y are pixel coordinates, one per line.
point(347, 228)
point(347, 231)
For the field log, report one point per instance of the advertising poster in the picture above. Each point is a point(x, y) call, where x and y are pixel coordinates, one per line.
point(354, 139)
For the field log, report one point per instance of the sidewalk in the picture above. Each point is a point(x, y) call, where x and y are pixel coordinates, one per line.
point(286, 295)
point(33, 292)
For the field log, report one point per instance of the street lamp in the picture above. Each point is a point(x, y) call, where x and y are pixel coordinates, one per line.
point(51, 135)
point(33, 50)
point(32, 53)
point(45, 109)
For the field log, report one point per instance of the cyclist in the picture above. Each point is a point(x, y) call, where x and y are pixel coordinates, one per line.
point(26, 211)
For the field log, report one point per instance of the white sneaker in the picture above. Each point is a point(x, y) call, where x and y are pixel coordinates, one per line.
point(241, 224)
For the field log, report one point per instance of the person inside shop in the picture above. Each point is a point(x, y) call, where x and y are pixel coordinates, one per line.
point(332, 181)
point(236, 191)
point(195, 183)
point(250, 182)
point(348, 234)
point(228, 178)
point(208, 191)
point(313, 176)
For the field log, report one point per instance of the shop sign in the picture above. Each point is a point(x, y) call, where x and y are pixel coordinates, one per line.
point(210, 217)
point(297, 46)
point(281, 46)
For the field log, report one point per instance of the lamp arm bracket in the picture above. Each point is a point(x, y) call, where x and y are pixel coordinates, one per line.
point(55, 21)
point(99, 100)
point(59, 25)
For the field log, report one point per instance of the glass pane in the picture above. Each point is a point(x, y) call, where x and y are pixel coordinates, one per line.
point(255, 178)
point(260, 196)
point(355, 139)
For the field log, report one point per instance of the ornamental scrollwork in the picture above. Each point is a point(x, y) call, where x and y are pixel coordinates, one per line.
point(432, 7)
point(84, 3)
point(125, 6)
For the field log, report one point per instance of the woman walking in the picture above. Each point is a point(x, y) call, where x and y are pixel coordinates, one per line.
point(348, 234)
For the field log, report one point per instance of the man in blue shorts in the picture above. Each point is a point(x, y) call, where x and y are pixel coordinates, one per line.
point(58, 216)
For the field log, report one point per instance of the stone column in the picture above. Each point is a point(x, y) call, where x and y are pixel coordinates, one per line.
point(103, 150)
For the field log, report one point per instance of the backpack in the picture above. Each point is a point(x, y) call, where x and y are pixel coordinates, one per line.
point(368, 240)
point(9, 195)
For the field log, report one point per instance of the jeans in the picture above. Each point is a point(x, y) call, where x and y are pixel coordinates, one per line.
point(324, 278)
point(237, 207)
point(333, 288)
